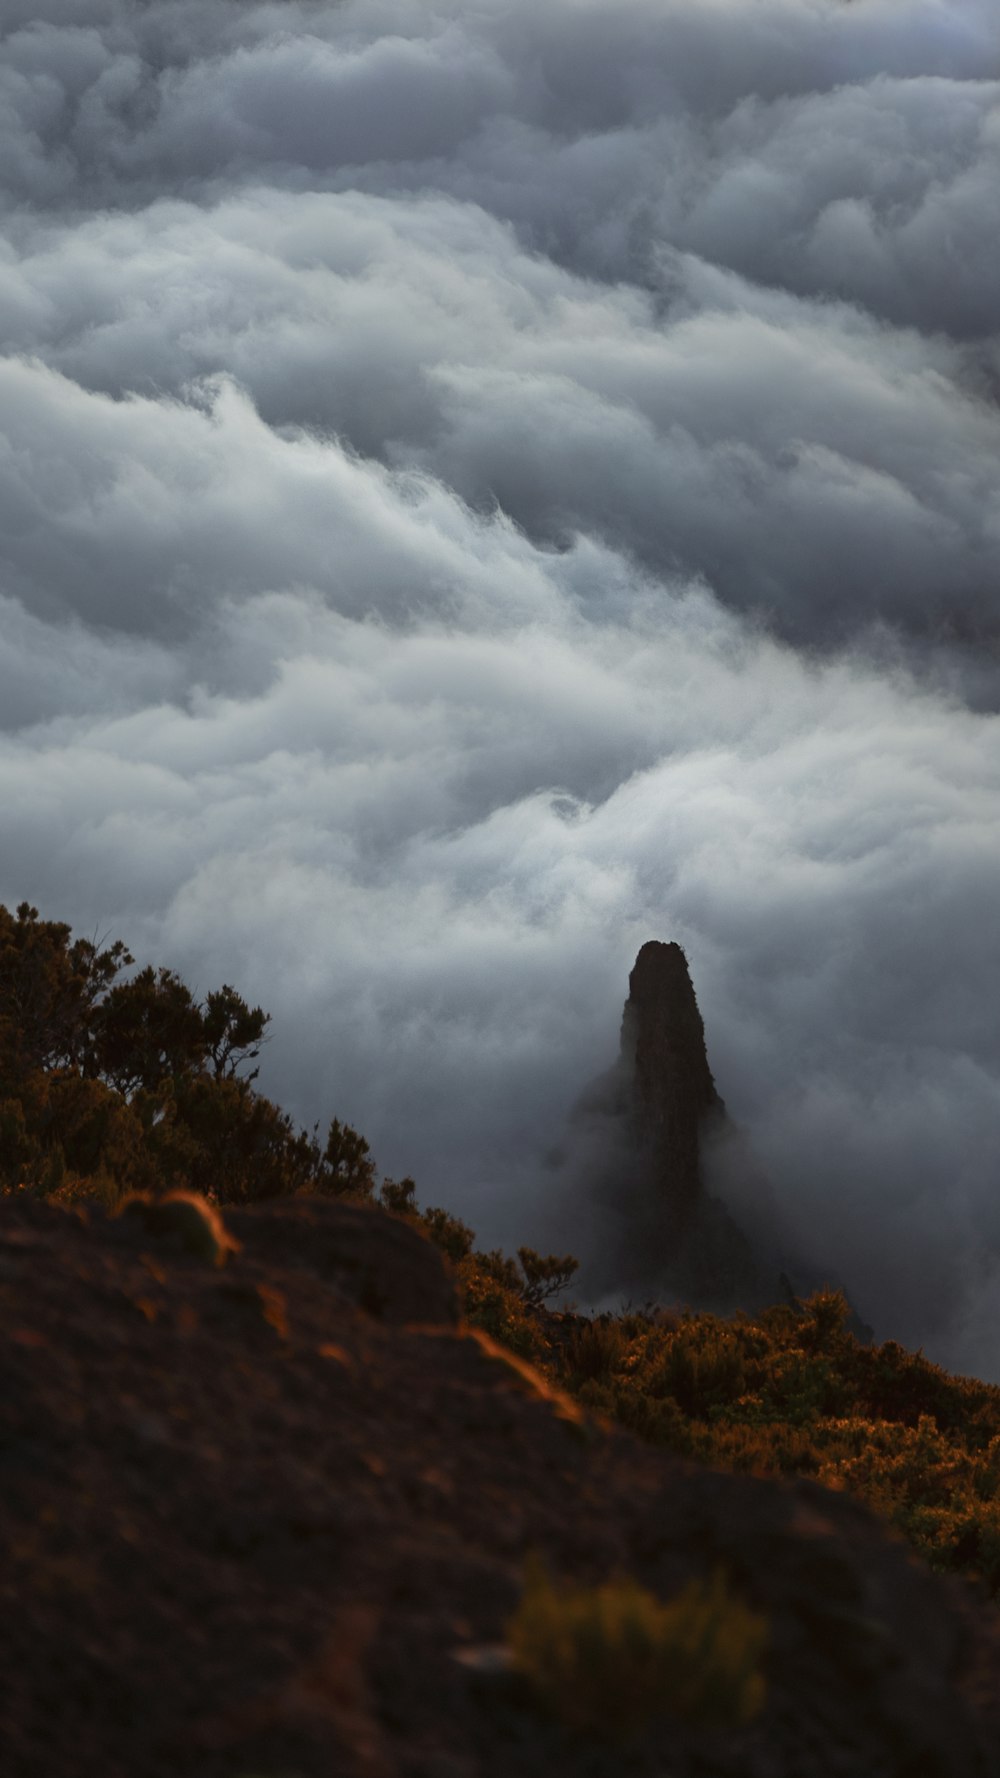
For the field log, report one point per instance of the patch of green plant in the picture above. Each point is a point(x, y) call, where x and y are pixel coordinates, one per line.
point(608, 1660)
point(112, 1086)
point(494, 1302)
point(792, 1392)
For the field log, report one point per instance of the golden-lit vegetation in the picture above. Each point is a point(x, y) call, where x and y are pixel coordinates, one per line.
point(791, 1392)
point(114, 1086)
point(606, 1660)
point(787, 1392)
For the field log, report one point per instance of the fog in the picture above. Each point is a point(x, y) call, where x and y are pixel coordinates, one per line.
point(484, 486)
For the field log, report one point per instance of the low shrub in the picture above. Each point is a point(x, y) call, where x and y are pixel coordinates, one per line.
point(791, 1391)
point(607, 1660)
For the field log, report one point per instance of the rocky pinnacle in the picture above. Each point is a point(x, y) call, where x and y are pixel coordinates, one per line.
point(674, 1099)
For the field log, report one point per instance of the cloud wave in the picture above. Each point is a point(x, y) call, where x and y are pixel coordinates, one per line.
point(481, 487)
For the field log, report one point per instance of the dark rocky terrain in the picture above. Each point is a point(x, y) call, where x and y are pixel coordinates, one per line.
point(259, 1518)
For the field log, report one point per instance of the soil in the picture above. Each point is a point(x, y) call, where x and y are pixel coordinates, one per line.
point(269, 1519)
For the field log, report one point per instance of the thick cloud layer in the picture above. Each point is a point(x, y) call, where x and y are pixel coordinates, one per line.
point(481, 487)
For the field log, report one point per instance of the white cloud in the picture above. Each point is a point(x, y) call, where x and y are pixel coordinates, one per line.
point(479, 489)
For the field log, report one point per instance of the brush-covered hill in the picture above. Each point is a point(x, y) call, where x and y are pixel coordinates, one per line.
point(276, 1516)
point(788, 1391)
point(295, 1481)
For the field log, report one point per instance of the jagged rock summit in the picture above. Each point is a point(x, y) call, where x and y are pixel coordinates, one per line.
point(674, 1101)
point(656, 1148)
point(649, 1127)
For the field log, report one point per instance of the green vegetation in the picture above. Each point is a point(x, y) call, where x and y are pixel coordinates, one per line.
point(607, 1660)
point(792, 1392)
point(111, 1087)
point(121, 1087)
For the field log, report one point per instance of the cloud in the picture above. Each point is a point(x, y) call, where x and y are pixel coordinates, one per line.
point(857, 467)
point(479, 489)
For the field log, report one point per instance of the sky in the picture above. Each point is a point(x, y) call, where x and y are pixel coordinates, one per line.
point(485, 485)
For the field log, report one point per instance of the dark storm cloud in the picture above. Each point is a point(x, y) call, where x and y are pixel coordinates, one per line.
point(433, 443)
point(858, 468)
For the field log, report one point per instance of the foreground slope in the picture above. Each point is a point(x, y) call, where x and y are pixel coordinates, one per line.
point(257, 1513)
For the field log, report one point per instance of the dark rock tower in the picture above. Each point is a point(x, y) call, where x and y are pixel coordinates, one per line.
point(645, 1128)
point(652, 1139)
point(674, 1103)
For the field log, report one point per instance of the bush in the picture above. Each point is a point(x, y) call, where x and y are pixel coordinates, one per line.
point(545, 1275)
point(791, 1391)
point(450, 1233)
point(595, 1349)
point(109, 1086)
point(607, 1660)
point(493, 1302)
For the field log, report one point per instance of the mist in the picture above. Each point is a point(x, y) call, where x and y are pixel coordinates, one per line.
point(483, 487)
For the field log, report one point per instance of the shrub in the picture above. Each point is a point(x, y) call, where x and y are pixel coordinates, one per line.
point(702, 1368)
point(595, 1349)
point(349, 1170)
point(792, 1391)
point(495, 1304)
point(606, 1660)
point(545, 1275)
point(450, 1233)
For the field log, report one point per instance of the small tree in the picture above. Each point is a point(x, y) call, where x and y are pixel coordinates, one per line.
point(450, 1233)
point(233, 1032)
point(399, 1196)
point(546, 1276)
point(149, 1029)
point(49, 988)
point(348, 1168)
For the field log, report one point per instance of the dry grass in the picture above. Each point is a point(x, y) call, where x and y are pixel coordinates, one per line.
point(608, 1660)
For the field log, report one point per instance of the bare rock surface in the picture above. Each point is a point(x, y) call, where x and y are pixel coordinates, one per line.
point(672, 1094)
point(375, 1261)
point(652, 1117)
point(251, 1513)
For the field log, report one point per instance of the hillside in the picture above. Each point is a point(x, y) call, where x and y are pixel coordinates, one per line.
point(272, 1517)
point(296, 1478)
point(788, 1391)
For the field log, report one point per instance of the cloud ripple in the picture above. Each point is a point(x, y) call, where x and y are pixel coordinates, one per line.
point(484, 486)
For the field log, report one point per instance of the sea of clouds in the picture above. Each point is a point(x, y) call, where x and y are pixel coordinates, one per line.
point(485, 485)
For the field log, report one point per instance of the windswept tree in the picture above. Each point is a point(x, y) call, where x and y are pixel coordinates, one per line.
point(51, 986)
point(114, 1082)
point(234, 1033)
point(348, 1167)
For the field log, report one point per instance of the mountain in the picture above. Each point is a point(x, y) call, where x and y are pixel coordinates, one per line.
point(643, 1135)
point(665, 1083)
point(269, 1507)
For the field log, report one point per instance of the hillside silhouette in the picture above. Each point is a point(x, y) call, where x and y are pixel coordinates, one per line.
point(298, 1481)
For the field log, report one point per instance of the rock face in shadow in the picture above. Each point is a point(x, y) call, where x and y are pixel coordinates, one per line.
point(375, 1261)
point(650, 1123)
point(670, 1094)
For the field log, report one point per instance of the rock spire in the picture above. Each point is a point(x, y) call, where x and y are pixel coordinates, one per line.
point(654, 1147)
point(674, 1102)
point(645, 1131)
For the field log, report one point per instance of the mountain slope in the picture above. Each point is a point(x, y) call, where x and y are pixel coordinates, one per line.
point(256, 1511)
